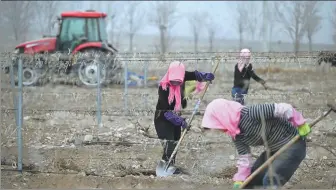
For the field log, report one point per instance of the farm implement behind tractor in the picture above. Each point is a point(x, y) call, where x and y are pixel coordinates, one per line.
point(80, 44)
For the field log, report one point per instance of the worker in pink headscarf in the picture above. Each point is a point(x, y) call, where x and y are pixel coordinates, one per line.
point(167, 119)
point(242, 74)
point(244, 124)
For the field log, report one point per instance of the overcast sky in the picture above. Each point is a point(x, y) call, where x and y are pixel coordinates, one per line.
point(224, 14)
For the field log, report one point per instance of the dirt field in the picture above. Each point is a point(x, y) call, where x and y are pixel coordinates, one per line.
point(57, 119)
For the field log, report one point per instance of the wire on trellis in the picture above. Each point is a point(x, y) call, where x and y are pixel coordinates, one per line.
point(128, 59)
point(113, 112)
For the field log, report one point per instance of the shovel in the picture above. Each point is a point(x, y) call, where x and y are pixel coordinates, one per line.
point(163, 169)
point(282, 149)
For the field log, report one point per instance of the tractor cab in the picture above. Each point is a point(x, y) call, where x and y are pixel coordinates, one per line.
point(76, 28)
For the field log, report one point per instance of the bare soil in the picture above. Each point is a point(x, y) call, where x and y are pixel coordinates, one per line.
point(57, 119)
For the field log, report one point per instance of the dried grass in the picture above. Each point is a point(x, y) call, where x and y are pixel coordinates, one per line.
point(8, 133)
point(273, 70)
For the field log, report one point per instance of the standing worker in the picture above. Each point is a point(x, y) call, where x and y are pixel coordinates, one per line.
point(244, 124)
point(242, 74)
point(167, 119)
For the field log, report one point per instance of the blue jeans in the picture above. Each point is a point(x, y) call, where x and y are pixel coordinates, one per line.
point(283, 166)
point(238, 95)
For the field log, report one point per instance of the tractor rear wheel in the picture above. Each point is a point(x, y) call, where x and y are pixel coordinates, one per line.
point(88, 71)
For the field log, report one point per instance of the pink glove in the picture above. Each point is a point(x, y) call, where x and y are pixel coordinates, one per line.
point(287, 111)
point(199, 86)
point(297, 119)
point(244, 165)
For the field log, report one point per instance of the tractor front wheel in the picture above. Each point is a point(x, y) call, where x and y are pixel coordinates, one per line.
point(88, 73)
point(29, 76)
point(33, 74)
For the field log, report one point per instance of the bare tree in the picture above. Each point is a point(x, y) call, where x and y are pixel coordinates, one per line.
point(46, 19)
point(333, 23)
point(134, 17)
point(252, 18)
point(196, 22)
point(18, 16)
point(164, 17)
point(271, 22)
point(241, 21)
point(268, 24)
point(313, 23)
point(291, 14)
point(114, 19)
point(212, 27)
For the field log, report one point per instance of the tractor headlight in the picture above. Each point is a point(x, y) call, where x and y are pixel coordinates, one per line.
point(15, 53)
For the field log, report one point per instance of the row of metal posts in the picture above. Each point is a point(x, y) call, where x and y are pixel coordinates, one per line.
point(18, 101)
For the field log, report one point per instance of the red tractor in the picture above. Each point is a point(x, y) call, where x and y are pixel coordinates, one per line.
point(79, 32)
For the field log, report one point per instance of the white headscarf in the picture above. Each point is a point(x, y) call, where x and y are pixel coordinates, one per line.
point(244, 59)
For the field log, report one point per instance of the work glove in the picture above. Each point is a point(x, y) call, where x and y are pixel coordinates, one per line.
point(175, 119)
point(203, 76)
point(304, 130)
point(237, 184)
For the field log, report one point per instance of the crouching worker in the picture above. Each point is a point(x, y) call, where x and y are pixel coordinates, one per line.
point(244, 125)
point(167, 119)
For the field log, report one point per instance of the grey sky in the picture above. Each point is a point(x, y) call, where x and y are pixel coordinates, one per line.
point(224, 14)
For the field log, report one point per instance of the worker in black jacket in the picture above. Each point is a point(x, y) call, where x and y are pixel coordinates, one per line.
point(167, 119)
point(242, 74)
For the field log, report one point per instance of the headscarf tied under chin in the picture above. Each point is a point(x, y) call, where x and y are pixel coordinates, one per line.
point(244, 59)
point(224, 115)
point(175, 72)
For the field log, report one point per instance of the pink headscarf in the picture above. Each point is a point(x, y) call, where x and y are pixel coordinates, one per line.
point(176, 72)
point(244, 59)
point(223, 114)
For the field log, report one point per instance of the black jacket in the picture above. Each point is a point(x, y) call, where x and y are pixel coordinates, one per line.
point(242, 79)
point(162, 104)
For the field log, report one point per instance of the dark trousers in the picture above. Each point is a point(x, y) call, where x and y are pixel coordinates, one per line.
point(169, 132)
point(283, 166)
point(238, 95)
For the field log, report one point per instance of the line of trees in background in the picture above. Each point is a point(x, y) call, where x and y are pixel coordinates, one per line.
point(298, 19)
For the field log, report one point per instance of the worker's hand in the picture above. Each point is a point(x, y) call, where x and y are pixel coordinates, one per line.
point(264, 84)
point(190, 96)
point(304, 130)
point(187, 97)
point(237, 184)
point(184, 124)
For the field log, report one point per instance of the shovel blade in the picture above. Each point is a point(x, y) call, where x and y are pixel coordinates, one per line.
point(161, 169)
